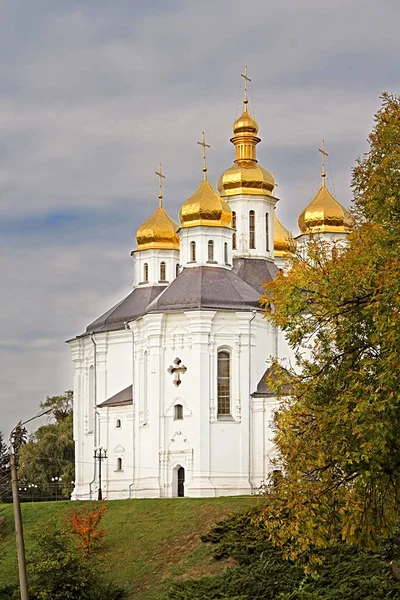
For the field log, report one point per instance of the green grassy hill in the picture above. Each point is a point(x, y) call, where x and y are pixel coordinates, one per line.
point(148, 541)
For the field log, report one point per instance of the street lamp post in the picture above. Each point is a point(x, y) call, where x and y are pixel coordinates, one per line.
point(56, 481)
point(100, 454)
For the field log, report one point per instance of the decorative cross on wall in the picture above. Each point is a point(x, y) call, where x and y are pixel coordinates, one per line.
point(176, 369)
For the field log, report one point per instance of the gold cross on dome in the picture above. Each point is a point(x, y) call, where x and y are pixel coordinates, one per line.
point(204, 145)
point(161, 177)
point(246, 79)
point(323, 153)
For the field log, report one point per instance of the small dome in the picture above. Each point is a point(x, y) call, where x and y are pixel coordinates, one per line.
point(325, 214)
point(245, 124)
point(246, 177)
point(159, 231)
point(205, 207)
point(283, 240)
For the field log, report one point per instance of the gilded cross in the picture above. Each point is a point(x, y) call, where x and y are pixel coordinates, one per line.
point(246, 79)
point(323, 153)
point(161, 177)
point(176, 369)
point(204, 145)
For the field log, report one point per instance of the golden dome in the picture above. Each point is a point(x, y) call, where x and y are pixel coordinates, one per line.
point(159, 231)
point(324, 214)
point(283, 240)
point(246, 176)
point(205, 207)
point(245, 124)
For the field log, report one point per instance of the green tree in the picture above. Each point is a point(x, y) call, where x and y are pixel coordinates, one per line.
point(5, 483)
point(49, 453)
point(339, 437)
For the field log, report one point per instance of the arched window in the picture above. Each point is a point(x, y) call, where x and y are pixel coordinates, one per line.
point(178, 412)
point(193, 251)
point(210, 251)
point(224, 382)
point(252, 230)
point(119, 464)
point(226, 253)
point(176, 270)
point(163, 275)
point(145, 272)
point(267, 232)
point(234, 230)
point(118, 423)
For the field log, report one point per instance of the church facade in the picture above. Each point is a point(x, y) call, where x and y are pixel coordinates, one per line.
point(171, 381)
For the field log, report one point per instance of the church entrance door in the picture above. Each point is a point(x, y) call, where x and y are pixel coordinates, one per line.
point(181, 482)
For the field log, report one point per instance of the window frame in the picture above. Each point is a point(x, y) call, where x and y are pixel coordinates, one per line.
point(252, 230)
point(178, 412)
point(146, 273)
point(267, 231)
point(234, 230)
point(193, 251)
point(163, 271)
point(224, 412)
point(210, 251)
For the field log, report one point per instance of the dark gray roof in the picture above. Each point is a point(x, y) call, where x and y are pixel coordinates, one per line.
point(206, 288)
point(123, 398)
point(255, 271)
point(263, 389)
point(129, 308)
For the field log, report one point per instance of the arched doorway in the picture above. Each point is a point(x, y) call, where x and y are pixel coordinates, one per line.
point(181, 482)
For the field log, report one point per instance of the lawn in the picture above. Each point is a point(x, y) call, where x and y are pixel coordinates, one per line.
point(148, 541)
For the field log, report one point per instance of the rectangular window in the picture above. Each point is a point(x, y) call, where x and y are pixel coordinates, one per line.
point(252, 230)
point(234, 230)
point(224, 383)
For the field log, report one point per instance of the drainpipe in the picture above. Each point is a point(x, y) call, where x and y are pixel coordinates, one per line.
point(250, 419)
point(128, 327)
point(95, 444)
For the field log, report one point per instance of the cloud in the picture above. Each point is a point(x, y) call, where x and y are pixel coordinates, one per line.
point(95, 94)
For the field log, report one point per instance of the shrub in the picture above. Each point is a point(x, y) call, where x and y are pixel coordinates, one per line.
point(340, 573)
point(57, 570)
point(84, 525)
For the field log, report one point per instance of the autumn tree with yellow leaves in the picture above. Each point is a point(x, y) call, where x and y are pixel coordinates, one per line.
point(339, 436)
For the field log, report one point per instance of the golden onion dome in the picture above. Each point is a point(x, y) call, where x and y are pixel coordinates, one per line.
point(246, 176)
point(324, 214)
point(159, 231)
point(205, 207)
point(283, 240)
point(245, 124)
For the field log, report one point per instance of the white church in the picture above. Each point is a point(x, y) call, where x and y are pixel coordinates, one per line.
point(170, 382)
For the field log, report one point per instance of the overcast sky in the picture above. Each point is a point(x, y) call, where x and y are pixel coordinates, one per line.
point(94, 94)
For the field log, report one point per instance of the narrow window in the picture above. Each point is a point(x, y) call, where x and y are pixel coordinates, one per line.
point(193, 251)
point(234, 230)
point(118, 423)
point(119, 464)
point(226, 253)
point(267, 232)
point(178, 412)
point(163, 275)
point(177, 270)
point(252, 233)
point(145, 272)
point(224, 383)
point(210, 251)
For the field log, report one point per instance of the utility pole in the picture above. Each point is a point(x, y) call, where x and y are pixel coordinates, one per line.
point(100, 454)
point(16, 437)
point(19, 534)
